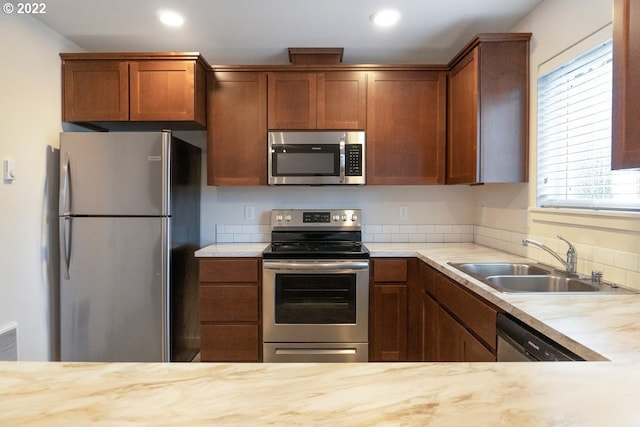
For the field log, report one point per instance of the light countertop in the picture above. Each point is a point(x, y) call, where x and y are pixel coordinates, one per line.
point(597, 327)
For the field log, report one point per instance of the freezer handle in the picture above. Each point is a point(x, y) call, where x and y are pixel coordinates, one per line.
point(67, 225)
point(65, 191)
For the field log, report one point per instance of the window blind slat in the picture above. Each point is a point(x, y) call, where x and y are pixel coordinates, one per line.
point(574, 137)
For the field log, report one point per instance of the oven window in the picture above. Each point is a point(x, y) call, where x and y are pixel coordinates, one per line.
point(315, 298)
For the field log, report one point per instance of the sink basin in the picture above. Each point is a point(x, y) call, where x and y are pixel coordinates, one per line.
point(541, 284)
point(485, 269)
point(533, 278)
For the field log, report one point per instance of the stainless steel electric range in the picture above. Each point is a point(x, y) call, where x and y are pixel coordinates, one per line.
point(316, 287)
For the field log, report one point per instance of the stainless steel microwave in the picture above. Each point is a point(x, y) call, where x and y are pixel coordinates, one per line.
point(317, 158)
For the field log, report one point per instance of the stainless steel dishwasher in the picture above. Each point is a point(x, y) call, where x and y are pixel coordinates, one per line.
point(518, 342)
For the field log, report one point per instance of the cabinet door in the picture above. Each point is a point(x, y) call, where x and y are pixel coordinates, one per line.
point(389, 323)
point(162, 90)
point(462, 162)
point(429, 329)
point(449, 338)
point(342, 100)
point(292, 100)
point(230, 343)
point(625, 152)
point(95, 91)
point(237, 128)
point(406, 122)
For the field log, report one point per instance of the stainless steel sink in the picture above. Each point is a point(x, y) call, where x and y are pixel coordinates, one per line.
point(501, 269)
point(541, 284)
point(533, 278)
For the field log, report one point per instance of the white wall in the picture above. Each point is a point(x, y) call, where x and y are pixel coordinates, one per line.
point(605, 241)
point(30, 123)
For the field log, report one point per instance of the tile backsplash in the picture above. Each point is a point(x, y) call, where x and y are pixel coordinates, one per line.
point(378, 233)
point(618, 267)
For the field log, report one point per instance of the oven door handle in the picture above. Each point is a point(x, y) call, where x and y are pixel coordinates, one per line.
point(315, 266)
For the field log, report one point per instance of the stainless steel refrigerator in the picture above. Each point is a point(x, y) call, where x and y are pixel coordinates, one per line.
point(129, 220)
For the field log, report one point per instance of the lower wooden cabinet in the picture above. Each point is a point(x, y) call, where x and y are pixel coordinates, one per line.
point(388, 321)
point(453, 324)
point(230, 310)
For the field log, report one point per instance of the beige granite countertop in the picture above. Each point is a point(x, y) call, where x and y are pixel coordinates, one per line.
point(597, 327)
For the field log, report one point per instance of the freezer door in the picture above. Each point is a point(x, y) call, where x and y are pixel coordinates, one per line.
point(113, 289)
point(114, 173)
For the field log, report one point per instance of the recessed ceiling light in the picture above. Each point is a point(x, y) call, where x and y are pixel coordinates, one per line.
point(385, 18)
point(170, 18)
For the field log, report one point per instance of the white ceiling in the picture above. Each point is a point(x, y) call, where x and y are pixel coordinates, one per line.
point(260, 31)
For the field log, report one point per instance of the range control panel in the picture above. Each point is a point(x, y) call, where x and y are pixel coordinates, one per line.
point(316, 218)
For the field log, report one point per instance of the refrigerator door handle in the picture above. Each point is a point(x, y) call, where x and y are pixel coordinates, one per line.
point(65, 193)
point(66, 245)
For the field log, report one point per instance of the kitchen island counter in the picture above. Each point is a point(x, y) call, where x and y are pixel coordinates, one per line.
point(597, 327)
point(411, 394)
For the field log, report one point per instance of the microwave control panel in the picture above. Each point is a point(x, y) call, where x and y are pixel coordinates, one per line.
point(353, 164)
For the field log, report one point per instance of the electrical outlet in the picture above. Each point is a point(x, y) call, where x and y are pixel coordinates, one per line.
point(403, 211)
point(249, 212)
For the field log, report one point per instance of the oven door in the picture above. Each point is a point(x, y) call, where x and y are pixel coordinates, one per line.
point(309, 301)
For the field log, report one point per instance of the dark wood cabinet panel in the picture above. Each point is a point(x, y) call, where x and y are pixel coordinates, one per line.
point(472, 312)
point(229, 343)
point(454, 325)
point(389, 340)
point(406, 125)
point(456, 344)
point(488, 110)
point(463, 121)
point(166, 91)
point(230, 305)
point(95, 90)
point(292, 100)
point(625, 152)
point(428, 338)
point(390, 280)
point(390, 270)
point(342, 100)
point(107, 90)
point(225, 270)
point(237, 128)
point(310, 100)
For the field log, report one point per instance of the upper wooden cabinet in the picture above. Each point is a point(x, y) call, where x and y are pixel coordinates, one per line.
point(406, 125)
point(317, 100)
point(625, 142)
point(488, 110)
point(237, 128)
point(121, 87)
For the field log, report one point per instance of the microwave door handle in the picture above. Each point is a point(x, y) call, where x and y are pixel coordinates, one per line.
point(342, 160)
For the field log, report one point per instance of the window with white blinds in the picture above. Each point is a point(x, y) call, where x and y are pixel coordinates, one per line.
point(574, 137)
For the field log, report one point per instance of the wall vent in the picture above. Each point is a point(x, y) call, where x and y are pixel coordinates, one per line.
point(9, 342)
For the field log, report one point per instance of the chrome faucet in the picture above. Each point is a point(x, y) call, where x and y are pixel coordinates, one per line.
point(572, 255)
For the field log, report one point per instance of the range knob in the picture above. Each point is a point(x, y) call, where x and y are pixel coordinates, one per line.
point(344, 217)
point(354, 217)
point(287, 218)
point(336, 218)
point(279, 218)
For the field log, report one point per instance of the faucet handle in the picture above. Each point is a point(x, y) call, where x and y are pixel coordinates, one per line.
point(572, 249)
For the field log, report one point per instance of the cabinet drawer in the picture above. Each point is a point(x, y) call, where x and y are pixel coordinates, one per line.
point(476, 315)
point(390, 270)
point(229, 270)
point(229, 303)
point(230, 343)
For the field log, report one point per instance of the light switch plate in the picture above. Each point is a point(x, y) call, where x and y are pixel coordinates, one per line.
point(9, 168)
